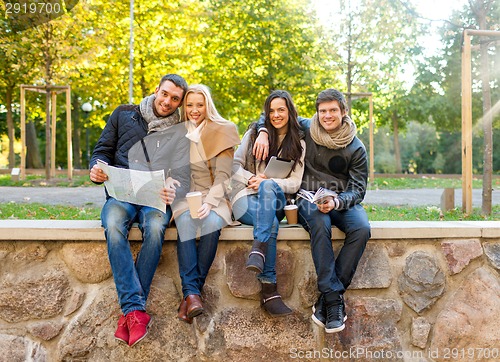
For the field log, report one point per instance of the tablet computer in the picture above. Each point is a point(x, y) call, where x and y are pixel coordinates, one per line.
point(278, 167)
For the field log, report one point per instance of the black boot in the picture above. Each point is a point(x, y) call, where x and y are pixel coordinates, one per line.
point(335, 312)
point(271, 301)
point(257, 256)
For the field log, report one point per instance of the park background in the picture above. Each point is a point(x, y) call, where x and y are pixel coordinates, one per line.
point(410, 62)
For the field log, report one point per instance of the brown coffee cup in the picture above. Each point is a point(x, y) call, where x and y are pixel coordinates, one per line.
point(194, 202)
point(291, 213)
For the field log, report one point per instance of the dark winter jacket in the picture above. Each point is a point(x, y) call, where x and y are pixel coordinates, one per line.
point(120, 146)
point(344, 170)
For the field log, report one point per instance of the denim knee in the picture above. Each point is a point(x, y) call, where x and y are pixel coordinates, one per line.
point(267, 186)
point(211, 223)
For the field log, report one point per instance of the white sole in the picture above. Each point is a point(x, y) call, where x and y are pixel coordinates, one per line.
point(335, 330)
point(316, 320)
point(321, 324)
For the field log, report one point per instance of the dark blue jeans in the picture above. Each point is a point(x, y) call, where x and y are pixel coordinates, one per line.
point(335, 274)
point(195, 260)
point(133, 281)
point(264, 211)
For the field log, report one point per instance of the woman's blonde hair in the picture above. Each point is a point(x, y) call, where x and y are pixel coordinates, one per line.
point(212, 113)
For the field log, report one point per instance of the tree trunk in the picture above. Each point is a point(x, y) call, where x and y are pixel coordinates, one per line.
point(75, 117)
point(47, 134)
point(488, 133)
point(481, 9)
point(349, 67)
point(33, 159)
point(10, 127)
point(397, 152)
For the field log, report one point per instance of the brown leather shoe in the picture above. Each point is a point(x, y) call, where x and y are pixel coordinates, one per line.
point(182, 315)
point(194, 306)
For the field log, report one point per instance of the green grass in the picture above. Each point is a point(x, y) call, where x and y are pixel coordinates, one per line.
point(427, 213)
point(37, 211)
point(37, 180)
point(425, 182)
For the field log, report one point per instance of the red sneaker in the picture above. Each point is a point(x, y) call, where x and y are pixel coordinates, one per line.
point(121, 333)
point(138, 323)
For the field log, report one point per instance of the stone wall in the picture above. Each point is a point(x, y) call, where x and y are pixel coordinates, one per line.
point(412, 299)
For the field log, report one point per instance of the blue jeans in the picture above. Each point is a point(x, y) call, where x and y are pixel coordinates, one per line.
point(133, 281)
point(264, 211)
point(335, 274)
point(195, 260)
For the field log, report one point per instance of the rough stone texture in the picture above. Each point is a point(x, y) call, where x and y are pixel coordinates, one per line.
point(45, 330)
point(492, 251)
point(422, 281)
point(90, 335)
point(240, 281)
point(250, 335)
point(420, 329)
point(371, 325)
point(373, 270)
point(74, 303)
point(459, 253)
point(285, 267)
point(470, 318)
point(30, 252)
point(396, 249)
point(5, 249)
point(12, 348)
point(79, 319)
point(18, 349)
point(24, 297)
point(308, 289)
point(88, 261)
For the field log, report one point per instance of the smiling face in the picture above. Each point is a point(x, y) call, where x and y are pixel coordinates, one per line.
point(278, 115)
point(168, 98)
point(330, 115)
point(196, 109)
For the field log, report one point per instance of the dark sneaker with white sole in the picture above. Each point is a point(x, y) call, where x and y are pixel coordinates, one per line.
point(319, 312)
point(335, 312)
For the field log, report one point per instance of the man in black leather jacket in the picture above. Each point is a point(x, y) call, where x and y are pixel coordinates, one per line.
point(148, 136)
point(335, 160)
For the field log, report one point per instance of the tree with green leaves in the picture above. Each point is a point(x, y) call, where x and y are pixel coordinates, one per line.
point(251, 48)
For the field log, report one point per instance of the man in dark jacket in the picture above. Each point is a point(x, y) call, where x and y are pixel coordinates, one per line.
point(154, 128)
point(335, 160)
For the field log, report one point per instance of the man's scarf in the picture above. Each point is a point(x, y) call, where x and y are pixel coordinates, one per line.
point(338, 139)
point(154, 122)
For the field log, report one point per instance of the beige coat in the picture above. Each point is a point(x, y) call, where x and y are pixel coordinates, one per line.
point(211, 175)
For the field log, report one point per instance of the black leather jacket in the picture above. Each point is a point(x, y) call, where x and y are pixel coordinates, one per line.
point(344, 171)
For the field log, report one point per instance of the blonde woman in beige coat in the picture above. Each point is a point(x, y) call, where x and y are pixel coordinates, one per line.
point(213, 140)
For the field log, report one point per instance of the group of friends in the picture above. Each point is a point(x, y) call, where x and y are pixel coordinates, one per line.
point(179, 130)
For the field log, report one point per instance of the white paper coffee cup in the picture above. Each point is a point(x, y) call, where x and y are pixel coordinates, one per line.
point(194, 202)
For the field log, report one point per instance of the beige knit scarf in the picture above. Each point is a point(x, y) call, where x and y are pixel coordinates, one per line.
point(338, 139)
point(154, 122)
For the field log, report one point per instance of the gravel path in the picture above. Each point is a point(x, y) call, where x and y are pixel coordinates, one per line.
point(94, 196)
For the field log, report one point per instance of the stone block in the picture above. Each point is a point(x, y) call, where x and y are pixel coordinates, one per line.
point(420, 329)
point(371, 327)
point(422, 282)
point(33, 295)
point(459, 253)
point(374, 270)
point(470, 317)
point(88, 262)
point(492, 251)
